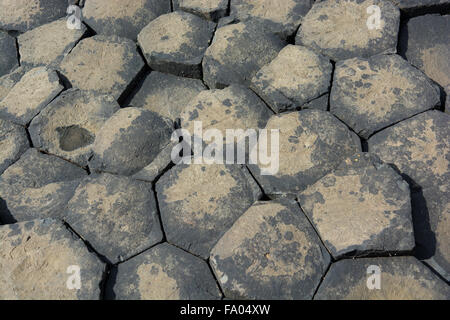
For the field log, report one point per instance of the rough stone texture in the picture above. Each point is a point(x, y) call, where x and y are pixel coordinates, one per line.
point(425, 42)
point(67, 127)
point(418, 147)
point(207, 9)
point(166, 94)
point(236, 54)
point(280, 17)
point(296, 76)
point(320, 103)
point(13, 142)
point(116, 215)
point(431, 216)
point(271, 252)
point(23, 15)
point(102, 64)
point(362, 207)
point(235, 107)
point(401, 278)
point(35, 262)
point(8, 81)
point(37, 186)
point(8, 58)
point(371, 94)
point(124, 18)
point(165, 273)
point(199, 203)
point(419, 6)
point(48, 44)
point(129, 140)
point(30, 95)
point(176, 42)
point(339, 29)
point(311, 144)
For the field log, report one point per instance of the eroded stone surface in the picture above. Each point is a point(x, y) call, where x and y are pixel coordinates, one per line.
point(13, 142)
point(8, 58)
point(38, 257)
point(67, 127)
point(311, 144)
point(402, 278)
point(8, 81)
point(199, 203)
point(48, 44)
point(271, 252)
point(124, 18)
point(23, 15)
point(296, 76)
point(30, 95)
point(165, 273)
point(340, 28)
point(371, 94)
point(207, 9)
point(280, 17)
point(363, 206)
point(236, 54)
point(102, 64)
point(116, 215)
point(176, 42)
point(129, 140)
point(37, 186)
point(166, 94)
point(418, 147)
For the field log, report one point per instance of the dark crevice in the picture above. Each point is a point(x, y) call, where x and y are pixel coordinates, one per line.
point(321, 280)
point(333, 70)
point(158, 212)
point(264, 196)
point(208, 262)
point(67, 160)
point(18, 50)
point(442, 9)
point(133, 86)
point(268, 107)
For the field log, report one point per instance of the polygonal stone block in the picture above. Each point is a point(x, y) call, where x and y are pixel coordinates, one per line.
point(371, 94)
point(8, 58)
point(165, 273)
point(176, 42)
point(8, 81)
point(30, 95)
point(199, 203)
point(236, 54)
point(343, 29)
point(116, 215)
point(207, 9)
point(67, 127)
point(129, 140)
point(400, 278)
point(296, 76)
point(14, 142)
point(271, 252)
point(37, 186)
point(363, 206)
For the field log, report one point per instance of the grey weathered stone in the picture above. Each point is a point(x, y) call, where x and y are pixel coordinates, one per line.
point(67, 127)
point(125, 221)
point(236, 54)
point(296, 76)
point(105, 65)
point(30, 95)
point(199, 203)
point(401, 278)
point(418, 147)
point(371, 94)
point(37, 186)
point(129, 140)
point(124, 18)
point(271, 252)
point(14, 142)
point(8, 81)
point(320, 103)
point(38, 258)
point(165, 273)
point(207, 9)
point(415, 7)
point(166, 94)
point(48, 44)
point(340, 28)
point(311, 144)
point(280, 17)
point(8, 58)
point(176, 42)
point(362, 207)
point(23, 15)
